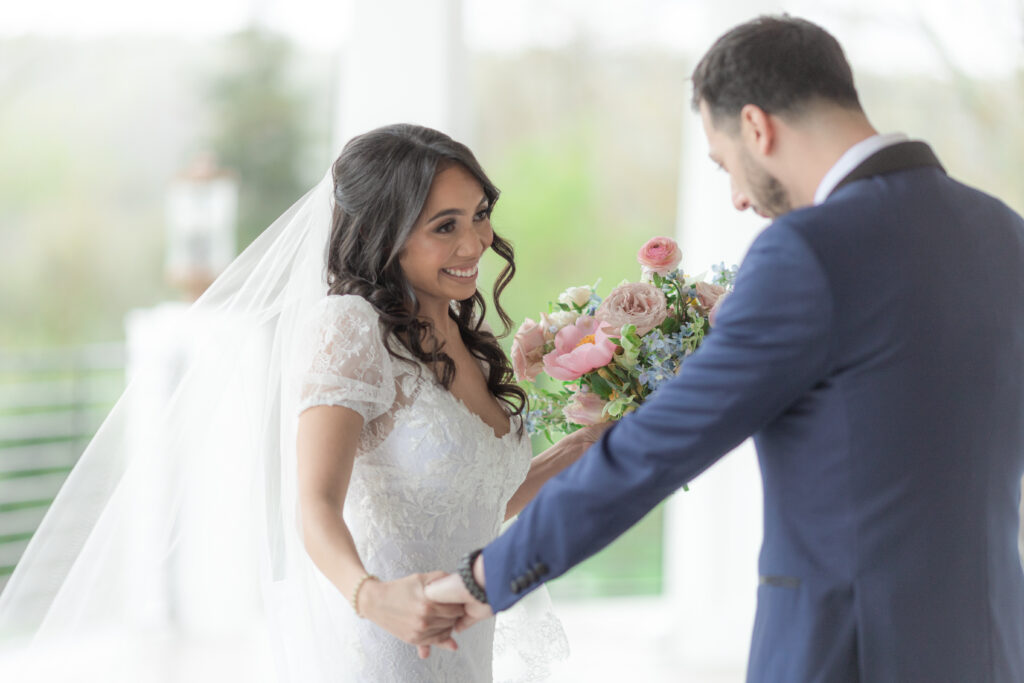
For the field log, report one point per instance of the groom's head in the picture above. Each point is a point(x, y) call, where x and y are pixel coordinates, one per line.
point(757, 85)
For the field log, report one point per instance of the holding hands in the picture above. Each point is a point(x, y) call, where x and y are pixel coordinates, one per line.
point(451, 589)
point(403, 609)
point(438, 603)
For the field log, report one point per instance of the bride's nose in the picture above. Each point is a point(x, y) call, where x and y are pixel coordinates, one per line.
point(474, 243)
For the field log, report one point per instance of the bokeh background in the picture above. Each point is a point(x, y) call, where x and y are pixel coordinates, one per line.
point(578, 110)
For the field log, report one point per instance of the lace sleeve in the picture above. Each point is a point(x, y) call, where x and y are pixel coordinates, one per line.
point(343, 360)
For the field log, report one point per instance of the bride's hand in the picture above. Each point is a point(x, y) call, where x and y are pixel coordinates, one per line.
point(585, 437)
point(402, 608)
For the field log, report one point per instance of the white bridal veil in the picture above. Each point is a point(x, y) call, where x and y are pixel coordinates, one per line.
point(176, 532)
point(171, 553)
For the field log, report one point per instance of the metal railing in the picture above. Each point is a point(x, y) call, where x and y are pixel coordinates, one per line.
point(51, 403)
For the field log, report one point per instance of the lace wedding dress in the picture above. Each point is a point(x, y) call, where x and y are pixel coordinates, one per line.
point(430, 482)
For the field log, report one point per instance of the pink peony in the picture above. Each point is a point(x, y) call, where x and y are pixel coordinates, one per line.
point(579, 348)
point(660, 255)
point(528, 351)
point(586, 408)
point(639, 303)
point(707, 295)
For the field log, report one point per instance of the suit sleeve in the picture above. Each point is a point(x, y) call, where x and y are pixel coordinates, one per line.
point(770, 345)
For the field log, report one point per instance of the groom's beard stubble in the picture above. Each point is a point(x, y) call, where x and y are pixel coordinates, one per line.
point(766, 192)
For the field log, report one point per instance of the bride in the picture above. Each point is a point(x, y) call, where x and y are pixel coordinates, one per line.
point(410, 421)
point(362, 398)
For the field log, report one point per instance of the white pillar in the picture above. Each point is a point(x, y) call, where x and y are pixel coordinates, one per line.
point(205, 584)
point(713, 532)
point(404, 63)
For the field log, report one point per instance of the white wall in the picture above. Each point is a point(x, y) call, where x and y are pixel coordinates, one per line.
point(407, 71)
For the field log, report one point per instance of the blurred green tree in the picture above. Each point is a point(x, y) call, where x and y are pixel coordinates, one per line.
point(259, 127)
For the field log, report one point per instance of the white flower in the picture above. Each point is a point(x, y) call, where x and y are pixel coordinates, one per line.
point(576, 295)
point(553, 322)
point(691, 281)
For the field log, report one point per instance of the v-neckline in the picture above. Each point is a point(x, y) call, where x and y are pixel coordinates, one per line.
point(462, 404)
point(472, 413)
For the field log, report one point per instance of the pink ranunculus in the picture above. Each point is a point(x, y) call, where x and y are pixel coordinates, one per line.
point(713, 313)
point(579, 348)
point(639, 303)
point(528, 351)
point(708, 295)
point(660, 255)
point(586, 408)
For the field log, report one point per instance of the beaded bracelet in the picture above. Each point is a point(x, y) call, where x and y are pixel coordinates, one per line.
point(355, 593)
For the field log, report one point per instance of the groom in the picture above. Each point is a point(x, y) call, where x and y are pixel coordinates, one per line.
point(874, 348)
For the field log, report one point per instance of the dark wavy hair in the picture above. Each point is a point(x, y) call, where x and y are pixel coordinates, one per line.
point(780, 63)
point(381, 183)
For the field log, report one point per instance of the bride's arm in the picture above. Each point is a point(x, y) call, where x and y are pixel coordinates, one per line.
point(552, 461)
point(327, 440)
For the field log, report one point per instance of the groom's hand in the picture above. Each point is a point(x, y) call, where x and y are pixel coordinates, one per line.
point(451, 590)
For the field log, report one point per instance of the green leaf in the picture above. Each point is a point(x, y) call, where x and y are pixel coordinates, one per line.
point(600, 386)
point(620, 407)
point(619, 374)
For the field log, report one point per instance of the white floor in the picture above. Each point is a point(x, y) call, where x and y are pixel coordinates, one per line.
point(615, 640)
point(631, 639)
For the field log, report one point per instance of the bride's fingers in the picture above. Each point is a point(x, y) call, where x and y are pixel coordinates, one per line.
point(437, 631)
point(464, 623)
point(449, 644)
point(448, 610)
point(423, 651)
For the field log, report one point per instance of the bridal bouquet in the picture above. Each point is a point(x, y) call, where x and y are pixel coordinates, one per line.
point(609, 355)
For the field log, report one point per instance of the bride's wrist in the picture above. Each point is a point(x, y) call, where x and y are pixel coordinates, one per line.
point(365, 595)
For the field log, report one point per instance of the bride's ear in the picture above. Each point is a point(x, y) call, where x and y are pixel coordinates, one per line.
point(757, 130)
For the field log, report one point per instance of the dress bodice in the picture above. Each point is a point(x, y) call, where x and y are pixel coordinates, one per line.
point(430, 481)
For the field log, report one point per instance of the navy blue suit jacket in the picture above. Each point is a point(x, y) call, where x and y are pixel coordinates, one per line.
point(874, 347)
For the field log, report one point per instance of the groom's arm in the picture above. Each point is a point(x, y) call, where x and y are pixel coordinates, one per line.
point(770, 345)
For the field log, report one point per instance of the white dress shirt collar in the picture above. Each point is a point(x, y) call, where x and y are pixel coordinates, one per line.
point(853, 158)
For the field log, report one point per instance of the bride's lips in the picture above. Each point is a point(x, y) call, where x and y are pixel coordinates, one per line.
point(465, 274)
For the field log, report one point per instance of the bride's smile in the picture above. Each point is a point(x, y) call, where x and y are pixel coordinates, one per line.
point(441, 257)
point(468, 273)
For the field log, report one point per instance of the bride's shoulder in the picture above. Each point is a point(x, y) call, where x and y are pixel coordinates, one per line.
point(348, 303)
point(344, 316)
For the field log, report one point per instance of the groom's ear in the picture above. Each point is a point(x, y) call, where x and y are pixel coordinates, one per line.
point(757, 130)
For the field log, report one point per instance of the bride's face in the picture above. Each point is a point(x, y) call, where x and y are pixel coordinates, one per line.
point(441, 257)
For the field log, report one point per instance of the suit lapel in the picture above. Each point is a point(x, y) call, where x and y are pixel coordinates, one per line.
point(898, 157)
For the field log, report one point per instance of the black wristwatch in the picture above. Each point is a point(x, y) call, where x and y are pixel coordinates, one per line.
point(466, 572)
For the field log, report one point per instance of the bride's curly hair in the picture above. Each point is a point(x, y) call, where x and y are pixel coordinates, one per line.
point(381, 182)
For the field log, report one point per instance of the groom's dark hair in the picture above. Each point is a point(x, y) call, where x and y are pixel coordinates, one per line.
point(779, 63)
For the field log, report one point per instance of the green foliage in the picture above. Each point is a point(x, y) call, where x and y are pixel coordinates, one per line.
point(553, 212)
point(258, 128)
point(630, 343)
point(565, 230)
point(629, 566)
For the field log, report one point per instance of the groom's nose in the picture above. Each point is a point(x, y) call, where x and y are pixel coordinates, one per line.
point(740, 200)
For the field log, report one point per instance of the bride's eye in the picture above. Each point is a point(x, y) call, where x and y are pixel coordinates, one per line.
point(482, 214)
point(445, 228)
